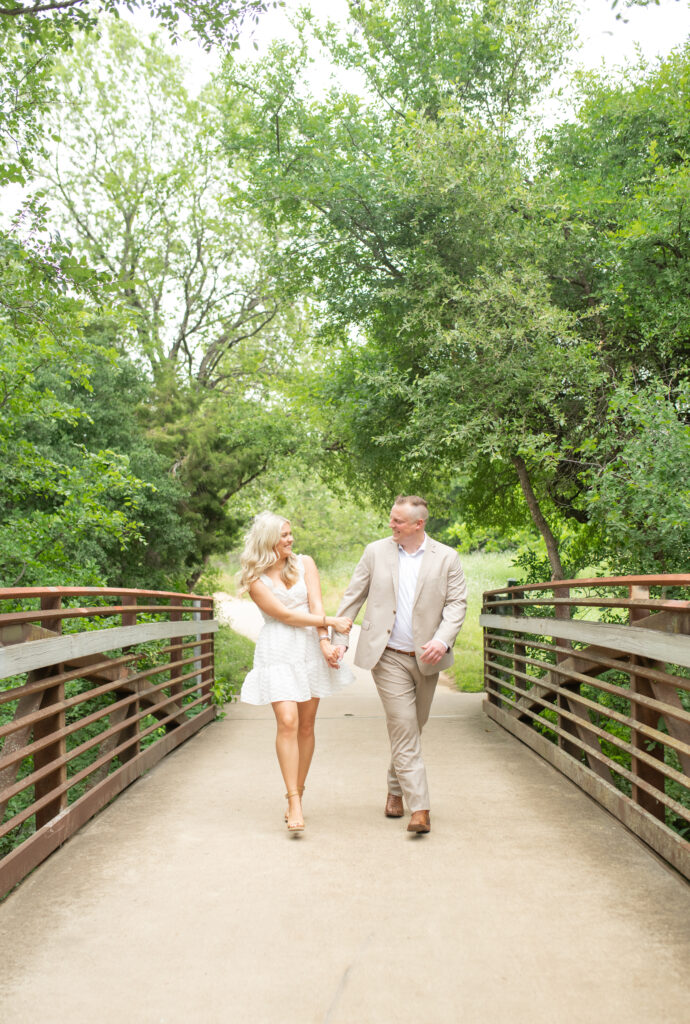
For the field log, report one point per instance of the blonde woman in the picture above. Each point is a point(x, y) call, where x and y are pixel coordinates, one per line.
point(294, 662)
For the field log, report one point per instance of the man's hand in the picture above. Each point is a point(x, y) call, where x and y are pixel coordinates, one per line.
point(433, 651)
point(340, 651)
point(330, 653)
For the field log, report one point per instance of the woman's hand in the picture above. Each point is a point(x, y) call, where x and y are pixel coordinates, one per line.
point(340, 624)
point(330, 653)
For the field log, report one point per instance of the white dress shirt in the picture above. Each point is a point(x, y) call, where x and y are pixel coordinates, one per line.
point(401, 637)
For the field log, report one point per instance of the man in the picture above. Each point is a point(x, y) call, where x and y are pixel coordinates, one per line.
point(416, 602)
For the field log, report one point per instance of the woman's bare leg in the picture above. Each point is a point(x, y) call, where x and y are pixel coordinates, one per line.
point(305, 737)
point(287, 749)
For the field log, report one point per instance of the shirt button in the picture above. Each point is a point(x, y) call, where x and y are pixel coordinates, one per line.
point(388, 631)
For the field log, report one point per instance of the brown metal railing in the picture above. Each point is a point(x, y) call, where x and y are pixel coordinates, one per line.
point(594, 675)
point(96, 686)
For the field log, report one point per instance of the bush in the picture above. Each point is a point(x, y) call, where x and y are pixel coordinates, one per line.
point(234, 657)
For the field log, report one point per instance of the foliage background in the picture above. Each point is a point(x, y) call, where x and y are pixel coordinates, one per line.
point(312, 299)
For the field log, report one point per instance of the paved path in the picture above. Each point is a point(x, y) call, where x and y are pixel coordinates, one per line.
point(186, 900)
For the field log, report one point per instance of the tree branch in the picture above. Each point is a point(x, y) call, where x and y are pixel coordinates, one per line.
point(14, 12)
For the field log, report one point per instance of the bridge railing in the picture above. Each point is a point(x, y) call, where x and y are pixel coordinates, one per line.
point(594, 675)
point(96, 686)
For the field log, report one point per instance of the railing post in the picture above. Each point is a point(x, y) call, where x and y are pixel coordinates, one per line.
point(487, 652)
point(197, 648)
point(55, 751)
point(565, 651)
point(207, 649)
point(176, 654)
point(130, 730)
point(645, 716)
point(518, 645)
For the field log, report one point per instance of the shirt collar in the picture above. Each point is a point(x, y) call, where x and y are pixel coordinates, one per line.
point(419, 551)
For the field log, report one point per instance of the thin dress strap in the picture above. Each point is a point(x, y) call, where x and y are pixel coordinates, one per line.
point(270, 583)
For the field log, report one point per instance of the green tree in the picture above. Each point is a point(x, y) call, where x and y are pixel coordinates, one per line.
point(62, 507)
point(34, 34)
point(86, 497)
point(639, 493)
point(411, 226)
point(487, 307)
point(111, 415)
point(136, 183)
point(614, 196)
point(217, 22)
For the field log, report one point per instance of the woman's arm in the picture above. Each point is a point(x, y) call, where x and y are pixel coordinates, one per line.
point(261, 595)
point(311, 577)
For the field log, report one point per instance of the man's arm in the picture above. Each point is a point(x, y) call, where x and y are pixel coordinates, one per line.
point(355, 595)
point(455, 607)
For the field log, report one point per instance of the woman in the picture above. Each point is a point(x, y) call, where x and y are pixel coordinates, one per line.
point(294, 661)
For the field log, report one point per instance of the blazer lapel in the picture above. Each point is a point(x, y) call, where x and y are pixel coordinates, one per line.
point(394, 566)
point(425, 567)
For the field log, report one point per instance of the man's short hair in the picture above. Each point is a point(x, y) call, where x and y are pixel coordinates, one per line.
point(419, 505)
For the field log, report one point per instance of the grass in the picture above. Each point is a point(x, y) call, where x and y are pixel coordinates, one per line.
point(482, 572)
point(234, 656)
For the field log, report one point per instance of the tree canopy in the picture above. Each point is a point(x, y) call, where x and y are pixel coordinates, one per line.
point(405, 280)
point(489, 295)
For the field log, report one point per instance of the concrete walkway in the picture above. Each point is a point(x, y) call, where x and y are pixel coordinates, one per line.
point(187, 901)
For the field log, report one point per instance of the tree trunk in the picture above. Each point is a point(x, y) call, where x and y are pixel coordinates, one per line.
point(538, 518)
point(196, 576)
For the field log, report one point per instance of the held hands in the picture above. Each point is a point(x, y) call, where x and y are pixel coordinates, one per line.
point(340, 624)
point(433, 651)
point(330, 653)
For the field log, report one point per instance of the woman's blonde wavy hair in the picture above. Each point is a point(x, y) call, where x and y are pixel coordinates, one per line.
point(259, 551)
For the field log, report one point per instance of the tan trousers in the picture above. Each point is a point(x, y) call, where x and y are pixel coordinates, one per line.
point(406, 696)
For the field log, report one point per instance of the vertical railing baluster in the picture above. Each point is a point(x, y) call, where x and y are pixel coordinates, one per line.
point(48, 726)
point(644, 716)
point(488, 650)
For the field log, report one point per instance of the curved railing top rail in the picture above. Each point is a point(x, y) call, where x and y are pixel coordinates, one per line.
point(15, 593)
point(667, 580)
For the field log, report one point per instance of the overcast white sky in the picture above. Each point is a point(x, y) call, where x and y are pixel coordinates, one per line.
point(655, 30)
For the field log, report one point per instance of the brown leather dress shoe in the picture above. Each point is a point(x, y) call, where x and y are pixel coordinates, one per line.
point(394, 806)
point(420, 821)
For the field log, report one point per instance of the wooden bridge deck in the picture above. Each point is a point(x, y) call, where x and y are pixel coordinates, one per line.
point(186, 901)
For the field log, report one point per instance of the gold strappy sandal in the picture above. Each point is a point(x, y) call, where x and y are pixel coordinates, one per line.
point(294, 826)
point(287, 796)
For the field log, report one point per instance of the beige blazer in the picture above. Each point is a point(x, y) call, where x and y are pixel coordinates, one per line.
point(439, 606)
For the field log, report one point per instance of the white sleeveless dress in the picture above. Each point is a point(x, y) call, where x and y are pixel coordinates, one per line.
point(288, 663)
